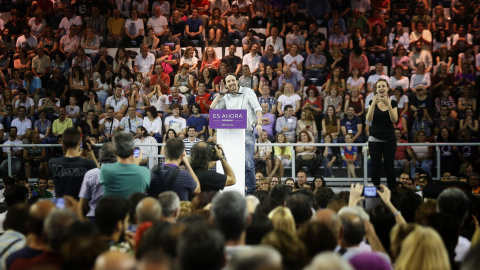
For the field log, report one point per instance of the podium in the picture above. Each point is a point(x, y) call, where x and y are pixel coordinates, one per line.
point(230, 126)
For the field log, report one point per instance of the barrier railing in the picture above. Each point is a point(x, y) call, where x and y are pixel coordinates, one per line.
point(363, 179)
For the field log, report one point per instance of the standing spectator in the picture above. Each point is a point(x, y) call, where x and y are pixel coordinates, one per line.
point(116, 28)
point(134, 31)
point(125, 176)
point(16, 153)
point(68, 171)
point(193, 28)
point(168, 176)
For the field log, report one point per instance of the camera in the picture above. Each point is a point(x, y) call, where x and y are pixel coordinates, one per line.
point(212, 152)
point(420, 111)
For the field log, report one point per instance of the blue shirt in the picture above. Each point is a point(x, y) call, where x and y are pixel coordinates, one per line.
point(34, 85)
point(197, 122)
point(351, 124)
point(194, 26)
point(275, 60)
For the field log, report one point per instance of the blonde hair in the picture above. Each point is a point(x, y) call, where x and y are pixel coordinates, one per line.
point(398, 235)
point(423, 249)
point(205, 55)
point(282, 219)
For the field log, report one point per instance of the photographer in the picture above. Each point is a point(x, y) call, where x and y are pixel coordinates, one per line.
point(203, 157)
point(108, 125)
point(422, 122)
point(50, 105)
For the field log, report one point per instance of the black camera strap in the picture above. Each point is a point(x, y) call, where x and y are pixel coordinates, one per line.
point(172, 178)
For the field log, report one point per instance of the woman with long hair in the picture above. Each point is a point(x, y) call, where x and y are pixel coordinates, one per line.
point(442, 78)
point(283, 154)
point(78, 84)
point(401, 99)
point(168, 135)
point(307, 122)
point(400, 58)
point(377, 46)
point(356, 102)
point(358, 60)
point(313, 102)
point(37, 24)
point(210, 59)
point(90, 42)
point(153, 123)
point(190, 59)
point(177, 23)
point(334, 99)
point(222, 73)
point(122, 58)
point(184, 81)
point(6, 108)
point(216, 27)
point(269, 78)
point(331, 123)
point(22, 63)
point(423, 248)
point(399, 80)
point(137, 99)
point(92, 104)
point(357, 40)
point(293, 59)
point(48, 40)
point(104, 86)
point(382, 113)
point(60, 61)
point(466, 100)
point(356, 81)
point(206, 76)
point(151, 40)
point(441, 39)
point(448, 153)
point(439, 21)
point(469, 122)
point(398, 36)
point(124, 78)
point(289, 97)
point(328, 156)
point(445, 99)
point(306, 155)
point(336, 81)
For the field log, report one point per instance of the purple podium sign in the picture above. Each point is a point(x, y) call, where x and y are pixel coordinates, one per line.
point(228, 119)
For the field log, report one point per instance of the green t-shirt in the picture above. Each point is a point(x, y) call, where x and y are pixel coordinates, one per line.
point(124, 179)
point(47, 194)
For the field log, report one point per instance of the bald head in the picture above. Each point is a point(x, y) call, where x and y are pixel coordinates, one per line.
point(41, 209)
point(329, 218)
point(148, 209)
point(115, 260)
point(353, 229)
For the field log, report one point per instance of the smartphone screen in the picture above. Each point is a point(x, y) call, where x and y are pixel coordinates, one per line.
point(136, 152)
point(370, 191)
point(59, 202)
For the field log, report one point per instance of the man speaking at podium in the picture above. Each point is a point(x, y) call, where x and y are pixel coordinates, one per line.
point(231, 96)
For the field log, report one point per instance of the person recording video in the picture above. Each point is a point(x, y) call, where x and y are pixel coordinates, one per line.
point(203, 158)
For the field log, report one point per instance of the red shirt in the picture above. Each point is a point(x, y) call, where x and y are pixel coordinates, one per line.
point(317, 104)
point(201, 4)
point(401, 152)
point(199, 99)
point(164, 78)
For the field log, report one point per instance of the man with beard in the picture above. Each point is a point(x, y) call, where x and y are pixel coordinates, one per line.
point(41, 191)
point(111, 217)
point(232, 96)
point(198, 121)
point(234, 63)
point(141, 136)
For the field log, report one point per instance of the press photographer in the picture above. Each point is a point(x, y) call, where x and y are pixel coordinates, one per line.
point(203, 158)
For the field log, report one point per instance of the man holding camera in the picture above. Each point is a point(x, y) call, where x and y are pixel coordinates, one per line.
point(108, 125)
point(203, 158)
point(232, 96)
point(168, 176)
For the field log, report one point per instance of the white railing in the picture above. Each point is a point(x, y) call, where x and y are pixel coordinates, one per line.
point(363, 179)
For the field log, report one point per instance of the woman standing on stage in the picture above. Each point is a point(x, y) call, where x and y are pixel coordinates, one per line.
point(382, 113)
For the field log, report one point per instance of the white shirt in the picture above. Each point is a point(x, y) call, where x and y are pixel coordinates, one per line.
point(401, 103)
point(9, 142)
point(420, 79)
point(117, 105)
point(375, 77)
point(253, 62)
point(22, 126)
point(109, 129)
point(146, 150)
point(28, 44)
point(245, 99)
point(36, 29)
point(277, 47)
point(66, 23)
point(177, 124)
point(28, 104)
point(138, 25)
point(155, 126)
point(158, 24)
point(404, 82)
point(291, 100)
point(289, 59)
point(144, 64)
point(158, 102)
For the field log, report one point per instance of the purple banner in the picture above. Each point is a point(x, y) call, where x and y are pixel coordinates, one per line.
point(228, 119)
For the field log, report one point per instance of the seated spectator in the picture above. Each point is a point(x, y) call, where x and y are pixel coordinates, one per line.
point(90, 42)
point(421, 77)
point(249, 40)
point(73, 110)
point(464, 77)
point(178, 25)
point(287, 124)
point(236, 25)
point(51, 104)
point(293, 59)
point(422, 122)
point(356, 102)
point(190, 59)
point(305, 155)
point(469, 123)
point(43, 126)
point(15, 83)
point(24, 101)
point(307, 123)
point(153, 123)
point(445, 99)
point(420, 34)
point(84, 62)
point(116, 28)
point(268, 99)
point(401, 99)
point(289, 98)
point(275, 41)
point(23, 125)
point(108, 125)
point(102, 63)
point(467, 57)
point(41, 65)
point(328, 155)
point(372, 79)
point(461, 40)
point(70, 43)
point(272, 60)
point(176, 122)
point(269, 79)
point(199, 121)
point(268, 120)
point(35, 157)
point(130, 122)
point(221, 75)
point(248, 79)
point(466, 100)
point(144, 63)
point(442, 78)
point(121, 59)
point(400, 59)
point(449, 161)
point(291, 77)
point(193, 29)
point(134, 31)
point(296, 37)
point(92, 104)
point(158, 22)
point(352, 124)
point(377, 45)
point(420, 56)
point(210, 59)
point(169, 62)
point(60, 62)
point(421, 156)
point(333, 98)
point(420, 99)
point(170, 40)
point(441, 40)
point(282, 155)
point(16, 153)
point(22, 63)
point(331, 123)
point(78, 83)
point(89, 126)
point(27, 41)
point(356, 82)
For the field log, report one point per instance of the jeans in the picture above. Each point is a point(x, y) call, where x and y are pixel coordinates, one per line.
point(387, 150)
point(426, 166)
point(235, 35)
point(16, 166)
point(102, 97)
point(327, 172)
point(250, 182)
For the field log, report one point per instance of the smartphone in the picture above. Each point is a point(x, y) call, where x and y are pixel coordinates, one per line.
point(136, 152)
point(307, 127)
point(59, 202)
point(370, 192)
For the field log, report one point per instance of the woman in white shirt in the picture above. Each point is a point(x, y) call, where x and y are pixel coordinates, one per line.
point(37, 24)
point(153, 123)
point(122, 58)
point(190, 59)
point(275, 41)
point(356, 81)
point(294, 60)
point(289, 98)
point(399, 80)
